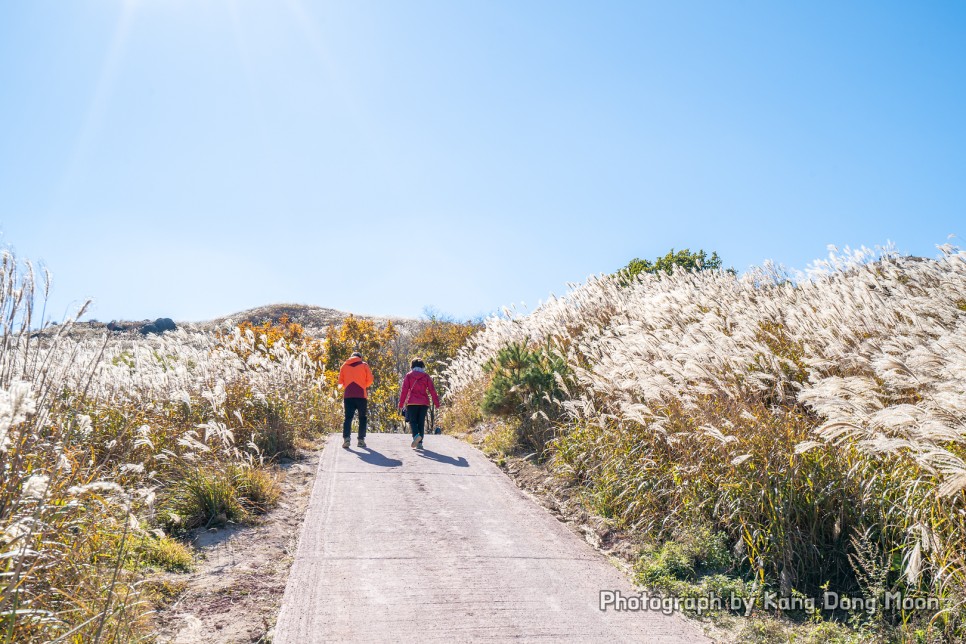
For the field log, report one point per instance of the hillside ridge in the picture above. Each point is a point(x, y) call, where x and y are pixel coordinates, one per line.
point(315, 319)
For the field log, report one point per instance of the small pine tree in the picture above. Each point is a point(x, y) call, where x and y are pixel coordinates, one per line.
point(699, 261)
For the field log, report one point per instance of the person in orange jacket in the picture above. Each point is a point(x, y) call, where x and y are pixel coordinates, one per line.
point(355, 378)
point(414, 395)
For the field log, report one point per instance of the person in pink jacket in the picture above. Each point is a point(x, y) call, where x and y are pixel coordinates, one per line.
point(417, 387)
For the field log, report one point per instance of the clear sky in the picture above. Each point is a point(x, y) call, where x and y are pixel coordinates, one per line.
point(192, 158)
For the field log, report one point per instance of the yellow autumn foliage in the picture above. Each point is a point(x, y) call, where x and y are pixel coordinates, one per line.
point(380, 348)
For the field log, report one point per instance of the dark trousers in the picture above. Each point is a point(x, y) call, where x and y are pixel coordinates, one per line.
point(417, 418)
point(351, 405)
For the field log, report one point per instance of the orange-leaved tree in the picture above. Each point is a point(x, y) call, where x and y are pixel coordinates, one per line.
point(378, 346)
point(438, 341)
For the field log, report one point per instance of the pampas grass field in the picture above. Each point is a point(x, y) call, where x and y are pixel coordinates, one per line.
point(110, 445)
point(810, 427)
point(792, 434)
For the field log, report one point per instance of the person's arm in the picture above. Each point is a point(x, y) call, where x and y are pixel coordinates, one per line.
point(404, 391)
point(369, 379)
point(432, 390)
point(342, 378)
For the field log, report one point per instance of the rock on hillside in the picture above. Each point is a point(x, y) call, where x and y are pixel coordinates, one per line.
point(158, 326)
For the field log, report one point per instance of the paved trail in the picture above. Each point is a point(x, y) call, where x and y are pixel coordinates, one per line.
point(440, 546)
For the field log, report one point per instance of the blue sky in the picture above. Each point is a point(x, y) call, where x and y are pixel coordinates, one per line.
point(192, 158)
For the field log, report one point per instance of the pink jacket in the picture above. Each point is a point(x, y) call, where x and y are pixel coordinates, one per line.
point(417, 386)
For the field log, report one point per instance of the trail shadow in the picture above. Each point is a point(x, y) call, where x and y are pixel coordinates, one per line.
point(372, 457)
point(442, 458)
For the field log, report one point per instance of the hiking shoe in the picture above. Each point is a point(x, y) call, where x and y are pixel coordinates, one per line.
point(345, 444)
point(419, 443)
point(362, 443)
point(415, 442)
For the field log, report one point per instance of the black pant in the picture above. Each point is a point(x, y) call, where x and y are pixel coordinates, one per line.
point(417, 418)
point(351, 405)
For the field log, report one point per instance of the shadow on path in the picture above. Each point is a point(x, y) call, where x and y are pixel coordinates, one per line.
point(442, 458)
point(372, 457)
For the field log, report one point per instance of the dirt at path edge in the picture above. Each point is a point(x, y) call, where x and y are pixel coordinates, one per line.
point(234, 592)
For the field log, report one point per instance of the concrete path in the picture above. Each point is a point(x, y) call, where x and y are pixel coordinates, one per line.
point(441, 546)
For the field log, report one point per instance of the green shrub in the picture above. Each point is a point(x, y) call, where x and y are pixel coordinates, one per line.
point(168, 554)
point(258, 489)
point(683, 259)
point(698, 553)
point(207, 497)
point(522, 380)
point(203, 498)
point(763, 632)
point(524, 384)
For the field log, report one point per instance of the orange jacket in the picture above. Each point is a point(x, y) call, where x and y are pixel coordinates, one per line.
point(355, 377)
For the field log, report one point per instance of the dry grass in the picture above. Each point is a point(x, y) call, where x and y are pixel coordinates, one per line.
point(105, 439)
point(817, 421)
